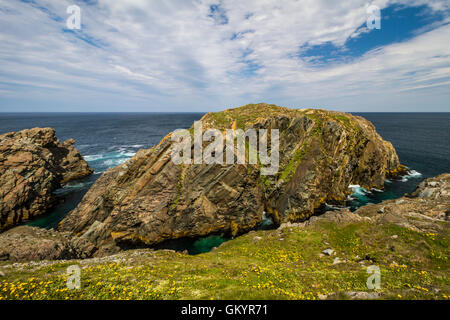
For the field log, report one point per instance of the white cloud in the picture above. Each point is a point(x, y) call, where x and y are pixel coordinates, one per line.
point(172, 55)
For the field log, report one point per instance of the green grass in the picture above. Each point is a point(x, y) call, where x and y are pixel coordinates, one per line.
point(413, 266)
point(295, 161)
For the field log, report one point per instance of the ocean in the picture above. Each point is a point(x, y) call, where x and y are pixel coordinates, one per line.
point(108, 139)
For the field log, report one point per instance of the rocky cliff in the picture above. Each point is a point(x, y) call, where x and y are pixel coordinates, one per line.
point(150, 199)
point(33, 163)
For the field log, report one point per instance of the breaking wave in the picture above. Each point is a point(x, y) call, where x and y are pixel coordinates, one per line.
point(103, 161)
point(412, 174)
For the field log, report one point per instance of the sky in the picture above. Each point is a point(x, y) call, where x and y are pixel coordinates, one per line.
point(209, 55)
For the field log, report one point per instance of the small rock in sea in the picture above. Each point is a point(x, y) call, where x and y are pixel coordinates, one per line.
point(394, 236)
point(255, 239)
point(381, 210)
point(328, 252)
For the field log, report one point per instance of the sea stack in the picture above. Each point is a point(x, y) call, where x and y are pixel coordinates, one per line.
point(33, 164)
point(150, 199)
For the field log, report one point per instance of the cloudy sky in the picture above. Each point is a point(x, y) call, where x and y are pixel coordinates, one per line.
point(207, 55)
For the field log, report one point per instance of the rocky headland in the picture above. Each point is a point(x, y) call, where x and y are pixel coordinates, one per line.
point(33, 164)
point(150, 199)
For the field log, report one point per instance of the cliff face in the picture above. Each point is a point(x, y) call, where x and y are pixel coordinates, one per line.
point(33, 163)
point(149, 199)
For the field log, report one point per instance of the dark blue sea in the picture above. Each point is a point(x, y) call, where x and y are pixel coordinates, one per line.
point(422, 141)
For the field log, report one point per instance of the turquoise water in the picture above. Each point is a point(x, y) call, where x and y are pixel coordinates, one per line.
point(206, 244)
point(194, 246)
point(393, 189)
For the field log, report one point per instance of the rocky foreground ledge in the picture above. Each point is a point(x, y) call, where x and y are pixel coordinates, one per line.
point(149, 199)
point(33, 164)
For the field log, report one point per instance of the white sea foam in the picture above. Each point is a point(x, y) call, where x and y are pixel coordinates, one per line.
point(333, 207)
point(71, 186)
point(129, 154)
point(110, 155)
point(114, 162)
point(93, 157)
point(412, 174)
point(358, 190)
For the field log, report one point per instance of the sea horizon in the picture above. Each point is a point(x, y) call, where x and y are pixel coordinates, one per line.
point(197, 112)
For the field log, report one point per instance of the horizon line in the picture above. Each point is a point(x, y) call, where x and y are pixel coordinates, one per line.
point(189, 112)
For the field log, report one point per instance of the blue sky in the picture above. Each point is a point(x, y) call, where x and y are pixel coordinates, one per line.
point(204, 55)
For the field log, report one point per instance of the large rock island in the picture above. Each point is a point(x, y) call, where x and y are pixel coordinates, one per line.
point(150, 199)
point(33, 164)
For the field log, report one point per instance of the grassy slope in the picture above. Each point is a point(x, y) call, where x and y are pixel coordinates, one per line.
point(284, 264)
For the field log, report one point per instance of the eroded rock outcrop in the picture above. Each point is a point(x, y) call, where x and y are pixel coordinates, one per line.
point(26, 243)
point(150, 199)
point(426, 210)
point(33, 163)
